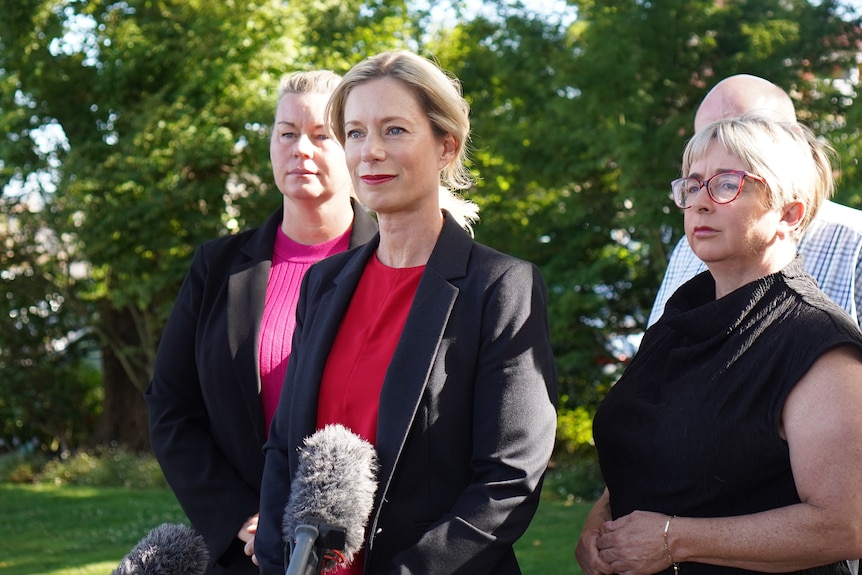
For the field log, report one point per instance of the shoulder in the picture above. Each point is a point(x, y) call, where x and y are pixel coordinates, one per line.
point(835, 218)
point(838, 214)
point(494, 276)
point(460, 259)
point(820, 318)
point(228, 243)
point(457, 253)
point(254, 242)
point(224, 253)
point(498, 263)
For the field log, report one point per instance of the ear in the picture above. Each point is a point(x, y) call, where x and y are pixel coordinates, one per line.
point(450, 149)
point(792, 217)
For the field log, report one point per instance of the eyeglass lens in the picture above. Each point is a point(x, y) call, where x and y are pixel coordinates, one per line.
point(722, 188)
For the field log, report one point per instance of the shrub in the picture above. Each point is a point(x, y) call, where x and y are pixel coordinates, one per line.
point(55, 399)
point(574, 473)
point(21, 466)
point(107, 466)
point(574, 430)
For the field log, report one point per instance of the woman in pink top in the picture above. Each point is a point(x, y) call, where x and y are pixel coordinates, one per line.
point(225, 349)
point(429, 345)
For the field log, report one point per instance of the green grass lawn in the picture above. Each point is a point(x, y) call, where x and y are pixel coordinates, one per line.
point(548, 546)
point(47, 530)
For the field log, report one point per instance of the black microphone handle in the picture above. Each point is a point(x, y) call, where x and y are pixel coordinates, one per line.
point(303, 561)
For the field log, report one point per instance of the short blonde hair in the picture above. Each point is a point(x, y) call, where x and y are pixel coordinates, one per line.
point(307, 82)
point(311, 82)
point(794, 163)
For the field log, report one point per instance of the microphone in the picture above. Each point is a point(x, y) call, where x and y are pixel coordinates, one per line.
point(331, 498)
point(169, 549)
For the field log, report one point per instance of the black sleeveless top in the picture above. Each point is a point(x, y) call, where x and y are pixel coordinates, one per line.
point(691, 428)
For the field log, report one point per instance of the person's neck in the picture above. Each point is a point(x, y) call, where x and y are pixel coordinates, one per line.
point(407, 240)
point(731, 275)
point(311, 223)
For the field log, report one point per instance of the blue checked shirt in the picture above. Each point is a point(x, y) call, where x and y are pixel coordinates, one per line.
point(831, 248)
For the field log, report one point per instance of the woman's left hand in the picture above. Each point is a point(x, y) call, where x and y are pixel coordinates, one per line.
point(634, 544)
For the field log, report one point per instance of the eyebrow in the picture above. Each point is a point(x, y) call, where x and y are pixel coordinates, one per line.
point(294, 125)
point(718, 171)
point(386, 120)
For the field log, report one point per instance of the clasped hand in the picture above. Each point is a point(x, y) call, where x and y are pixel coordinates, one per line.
point(630, 545)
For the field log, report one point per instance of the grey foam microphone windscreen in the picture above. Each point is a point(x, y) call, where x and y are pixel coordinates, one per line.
point(169, 549)
point(335, 483)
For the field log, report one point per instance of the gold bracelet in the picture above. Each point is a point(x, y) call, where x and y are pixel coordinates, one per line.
point(667, 547)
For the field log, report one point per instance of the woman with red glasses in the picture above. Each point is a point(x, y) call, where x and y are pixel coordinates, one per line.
point(733, 441)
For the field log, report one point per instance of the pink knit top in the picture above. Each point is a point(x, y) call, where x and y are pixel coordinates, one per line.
point(290, 261)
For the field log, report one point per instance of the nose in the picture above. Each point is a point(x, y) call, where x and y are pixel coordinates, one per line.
point(304, 148)
point(372, 149)
point(700, 200)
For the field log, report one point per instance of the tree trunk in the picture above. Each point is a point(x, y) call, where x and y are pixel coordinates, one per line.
point(124, 413)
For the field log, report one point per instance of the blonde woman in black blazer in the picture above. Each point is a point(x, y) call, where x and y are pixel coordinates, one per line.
point(466, 411)
point(207, 421)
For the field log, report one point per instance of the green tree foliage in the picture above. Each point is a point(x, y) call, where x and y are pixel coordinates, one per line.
point(579, 129)
point(641, 70)
point(49, 391)
point(538, 198)
point(161, 112)
point(162, 109)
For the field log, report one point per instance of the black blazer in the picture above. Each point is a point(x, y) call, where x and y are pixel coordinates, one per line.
point(467, 411)
point(205, 413)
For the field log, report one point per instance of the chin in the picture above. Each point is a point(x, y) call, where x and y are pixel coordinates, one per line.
point(708, 256)
point(371, 201)
point(304, 193)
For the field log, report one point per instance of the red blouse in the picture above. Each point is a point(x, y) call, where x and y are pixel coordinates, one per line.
point(363, 347)
point(361, 353)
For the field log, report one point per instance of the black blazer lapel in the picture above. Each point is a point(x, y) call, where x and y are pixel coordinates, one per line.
point(245, 300)
point(413, 360)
